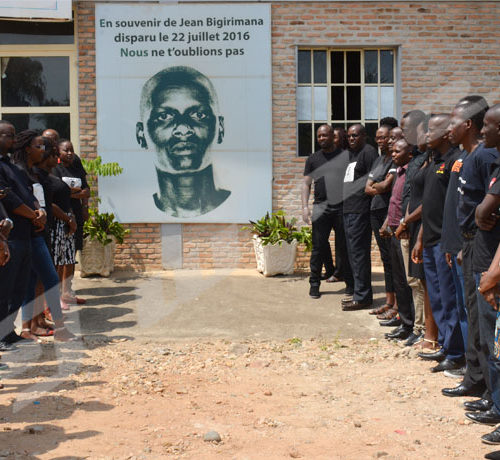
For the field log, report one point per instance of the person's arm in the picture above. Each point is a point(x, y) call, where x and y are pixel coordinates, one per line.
point(416, 253)
point(485, 212)
point(4, 252)
point(306, 191)
point(488, 286)
point(61, 215)
point(385, 185)
point(369, 189)
point(385, 231)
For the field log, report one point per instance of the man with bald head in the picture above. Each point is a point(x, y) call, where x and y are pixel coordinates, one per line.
point(180, 120)
point(326, 168)
point(439, 275)
point(357, 217)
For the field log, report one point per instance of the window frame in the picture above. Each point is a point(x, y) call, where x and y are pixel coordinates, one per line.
point(329, 85)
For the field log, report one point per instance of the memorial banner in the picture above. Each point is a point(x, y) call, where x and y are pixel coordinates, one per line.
point(184, 106)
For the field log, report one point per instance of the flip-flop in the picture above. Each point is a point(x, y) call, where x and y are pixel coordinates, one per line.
point(47, 332)
point(380, 310)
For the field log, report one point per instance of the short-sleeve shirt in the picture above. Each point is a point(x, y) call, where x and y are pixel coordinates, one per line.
point(451, 237)
point(327, 169)
point(436, 185)
point(356, 201)
point(486, 242)
point(473, 183)
point(381, 167)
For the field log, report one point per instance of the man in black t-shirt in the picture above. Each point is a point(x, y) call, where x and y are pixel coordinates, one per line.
point(439, 275)
point(357, 217)
point(485, 246)
point(326, 168)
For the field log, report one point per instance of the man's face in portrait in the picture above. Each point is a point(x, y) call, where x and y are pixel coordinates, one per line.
point(182, 125)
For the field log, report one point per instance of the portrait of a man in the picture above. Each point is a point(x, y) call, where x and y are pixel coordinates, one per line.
point(180, 121)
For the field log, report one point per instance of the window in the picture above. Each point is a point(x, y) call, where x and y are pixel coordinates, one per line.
point(341, 87)
point(38, 77)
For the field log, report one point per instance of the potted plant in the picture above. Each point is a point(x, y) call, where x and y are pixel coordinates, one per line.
point(275, 243)
point(101, 230)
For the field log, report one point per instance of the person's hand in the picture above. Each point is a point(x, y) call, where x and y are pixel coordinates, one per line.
point(401, 232)
point(72, 226)
point(447, 256)
point(306, 215)
point(5, 227)
point(4, 252)
point(488, 281)
point(416, 253)
point(460, 258)
point(40, 220)
point(385, 232)
point(489, 289)
point(487, 223)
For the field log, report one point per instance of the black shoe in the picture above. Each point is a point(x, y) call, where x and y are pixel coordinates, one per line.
point(489, 417)
point(391, 322)
point(448, 364)
point(314, 292)
point(464, 390)
point(436, 356)
point(355, 305)
point(479, 405)
point(412, 339)
point(4, 346)
point(12, 337)
point(492, 438)
point(402, 334)
point(394, 331)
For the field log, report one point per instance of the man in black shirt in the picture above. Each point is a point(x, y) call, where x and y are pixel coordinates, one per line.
point(326, 168)
point(357, 216)
point(438, 275)
point(485, 246)
point(466, 124)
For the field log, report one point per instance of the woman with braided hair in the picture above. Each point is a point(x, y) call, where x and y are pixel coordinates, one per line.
point(31, 150)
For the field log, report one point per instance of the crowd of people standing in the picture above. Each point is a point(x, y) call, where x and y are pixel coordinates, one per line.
point(43, 204)
point(432, 200)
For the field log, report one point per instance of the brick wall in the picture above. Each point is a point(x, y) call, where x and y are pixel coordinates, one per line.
point(447, 50)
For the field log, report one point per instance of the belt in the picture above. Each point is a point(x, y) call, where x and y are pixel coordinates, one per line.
point(469, 235)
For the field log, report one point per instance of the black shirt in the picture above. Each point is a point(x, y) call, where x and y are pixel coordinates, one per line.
point(20, 193)
point(451, 236)
point(473, 184)
point(486, 242)
point(356, 201)
point(436, 184)
point(381, 167)
point(418, 159)
point(327, 169)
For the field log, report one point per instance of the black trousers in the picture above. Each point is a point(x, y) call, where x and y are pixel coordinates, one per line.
point(403, 291)
point(323, 221)
point(476, 359)
point(377, 219)
point(359, 238)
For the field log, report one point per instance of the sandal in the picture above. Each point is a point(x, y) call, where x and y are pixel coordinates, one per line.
point(389, 314)
point(45, 332)
point(432, 348)
point(380, 310)
point(26, 334)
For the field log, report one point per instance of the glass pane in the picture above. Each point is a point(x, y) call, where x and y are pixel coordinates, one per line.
point(35, 81)
point(337, 66)
point(386, 101)
point(305, 139)
point(338, 103)
point(304, 103)
point(387, 66)
point(371, 129)
point(353, 66)
point(320, 103)
point(371, 66)
point(371, 103)
point(319, 66)
point(40, 121)
point(304, 66)
point(36, 33)
point(354, 103)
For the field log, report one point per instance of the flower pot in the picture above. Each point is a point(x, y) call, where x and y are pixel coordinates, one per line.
point(97, 259)
point(275, 259)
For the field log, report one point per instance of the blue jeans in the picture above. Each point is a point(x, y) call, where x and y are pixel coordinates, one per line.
point(487, 320)
point(443, 297)
point(42, 268)
point(13, 283)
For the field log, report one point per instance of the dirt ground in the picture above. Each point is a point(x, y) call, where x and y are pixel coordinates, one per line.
point(275, 374)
